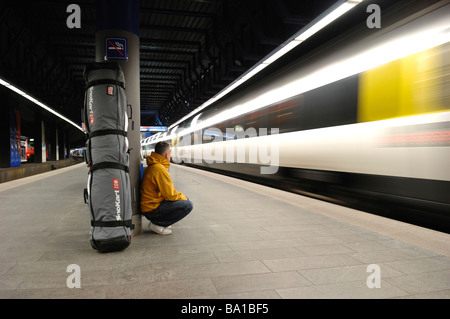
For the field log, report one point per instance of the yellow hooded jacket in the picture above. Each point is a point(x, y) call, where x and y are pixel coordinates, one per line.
point(156, 184)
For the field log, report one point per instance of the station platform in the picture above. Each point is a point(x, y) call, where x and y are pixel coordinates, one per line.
point(241, 241)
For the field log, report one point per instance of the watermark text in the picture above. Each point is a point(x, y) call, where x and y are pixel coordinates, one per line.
point(242, 146)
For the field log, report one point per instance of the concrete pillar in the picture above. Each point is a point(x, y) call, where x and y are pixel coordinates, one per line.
point(56, 145)
point(61, 144)
point(52, 140)
point(37, 135)
point(40, 154)
point(120, 19)
point(66, 144)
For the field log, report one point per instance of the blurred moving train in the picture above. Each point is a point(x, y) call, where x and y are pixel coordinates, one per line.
point(363, 121)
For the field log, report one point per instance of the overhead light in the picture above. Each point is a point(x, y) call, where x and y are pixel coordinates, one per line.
point(327, 19)
point(254, 71)
point(310, 29)
point(282, 51)
point(37, 102)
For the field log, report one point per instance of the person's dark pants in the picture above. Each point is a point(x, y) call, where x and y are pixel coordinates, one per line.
point(169, 213)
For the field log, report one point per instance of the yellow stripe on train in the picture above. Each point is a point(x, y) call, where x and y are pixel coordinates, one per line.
point(417, 84)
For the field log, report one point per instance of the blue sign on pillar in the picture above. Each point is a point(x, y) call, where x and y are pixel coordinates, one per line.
point(116, 49)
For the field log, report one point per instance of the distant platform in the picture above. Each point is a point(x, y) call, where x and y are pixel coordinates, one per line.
point(30, 169)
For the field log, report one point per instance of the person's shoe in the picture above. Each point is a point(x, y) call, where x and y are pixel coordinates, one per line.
point(159, 229)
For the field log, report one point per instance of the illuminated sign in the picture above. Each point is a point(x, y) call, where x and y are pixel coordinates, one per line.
point(153, 128)
point(116, 49)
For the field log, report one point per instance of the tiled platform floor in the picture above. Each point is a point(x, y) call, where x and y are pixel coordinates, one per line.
point(240, 241)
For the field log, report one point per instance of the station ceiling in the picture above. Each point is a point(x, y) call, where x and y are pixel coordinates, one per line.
point(189, 49)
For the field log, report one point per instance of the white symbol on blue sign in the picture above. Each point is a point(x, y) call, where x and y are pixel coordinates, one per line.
point(116, 49)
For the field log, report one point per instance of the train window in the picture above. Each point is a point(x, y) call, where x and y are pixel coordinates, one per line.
point(212, 134)
point(255, 120)
point(286, 115)
point(227, 128)
point(330, 105)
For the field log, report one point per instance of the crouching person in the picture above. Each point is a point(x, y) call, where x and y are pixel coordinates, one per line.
point(161, 204)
